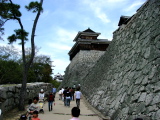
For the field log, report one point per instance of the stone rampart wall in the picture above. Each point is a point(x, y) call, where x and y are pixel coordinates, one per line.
point(9, 94)
point(80, 66)
point(124, 82)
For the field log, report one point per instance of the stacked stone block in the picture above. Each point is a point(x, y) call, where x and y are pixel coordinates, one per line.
point(124, 83)
point(80, 65)
point(9, 94)
point(129, 86)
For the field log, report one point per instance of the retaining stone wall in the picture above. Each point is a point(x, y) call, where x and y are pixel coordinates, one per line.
point(80, 66)
point(124, 83)
point(9, 94)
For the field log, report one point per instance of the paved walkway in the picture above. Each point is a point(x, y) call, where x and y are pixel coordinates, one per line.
point(60, 112)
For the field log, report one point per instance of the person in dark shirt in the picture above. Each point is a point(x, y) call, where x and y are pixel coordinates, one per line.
point(64, 95)
point(50, 101)
point(68, 97)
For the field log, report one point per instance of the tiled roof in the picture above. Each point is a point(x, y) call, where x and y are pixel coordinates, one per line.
point(124, 20)
point(89, 30)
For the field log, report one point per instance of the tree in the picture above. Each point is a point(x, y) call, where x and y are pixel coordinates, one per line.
point(10, 69)
point(11, 11)
point(2, 21)
point(42, 68)
point(11, 66)
point(9, 53)
point(10, 72)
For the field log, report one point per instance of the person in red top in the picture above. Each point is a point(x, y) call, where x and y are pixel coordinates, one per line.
point(50, 100)
point(35, 116)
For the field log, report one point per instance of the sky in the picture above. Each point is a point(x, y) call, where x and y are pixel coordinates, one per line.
point(61, 20)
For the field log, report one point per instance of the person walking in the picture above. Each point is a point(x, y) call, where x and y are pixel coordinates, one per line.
point(62, 90)
point(50, 101)
point(41, 95)
point(54, 90)
point(78, 95)
point(68, 97)
point(72, 93)
point(64, 96)
point(60, 94)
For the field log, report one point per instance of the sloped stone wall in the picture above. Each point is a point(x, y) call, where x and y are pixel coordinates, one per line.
point(128, 84)
point(9, 94)
point(125, 82)
point(80, 66)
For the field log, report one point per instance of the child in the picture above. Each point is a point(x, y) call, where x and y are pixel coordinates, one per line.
point(34, 106)
point(75, 113)
point(23, 117)
point(35, 115)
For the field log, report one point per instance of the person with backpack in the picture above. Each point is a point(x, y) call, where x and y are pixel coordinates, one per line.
point(64, 96)
point(50, 101)
point(68, 97)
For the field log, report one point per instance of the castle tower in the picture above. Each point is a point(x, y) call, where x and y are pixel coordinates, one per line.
point(83, 55)
point(87, 40)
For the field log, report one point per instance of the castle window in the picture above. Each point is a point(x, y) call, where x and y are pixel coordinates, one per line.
point(88, 37)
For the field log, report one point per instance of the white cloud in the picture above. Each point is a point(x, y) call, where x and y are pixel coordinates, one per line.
point(96, 7)
point(64, 35)
point(102, 15)
point(135, 5)
point(60, 64)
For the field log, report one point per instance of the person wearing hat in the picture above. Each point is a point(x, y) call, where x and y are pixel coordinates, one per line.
point(41, 95)
point(23, 117)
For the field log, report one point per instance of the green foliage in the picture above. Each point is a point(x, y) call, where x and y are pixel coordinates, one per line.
point(11, 67)
point(9, 11)
point(31, 76)
point(19, 34)
point(10, 72)
point(55, 83)
point(34, 6)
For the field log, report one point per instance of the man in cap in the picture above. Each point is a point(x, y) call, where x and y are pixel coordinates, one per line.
point(41, 95)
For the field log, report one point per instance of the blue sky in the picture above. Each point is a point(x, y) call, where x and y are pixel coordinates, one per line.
point(61, 20)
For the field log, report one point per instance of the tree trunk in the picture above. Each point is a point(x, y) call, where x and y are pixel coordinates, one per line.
point(27, 65)
point(23, 94)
